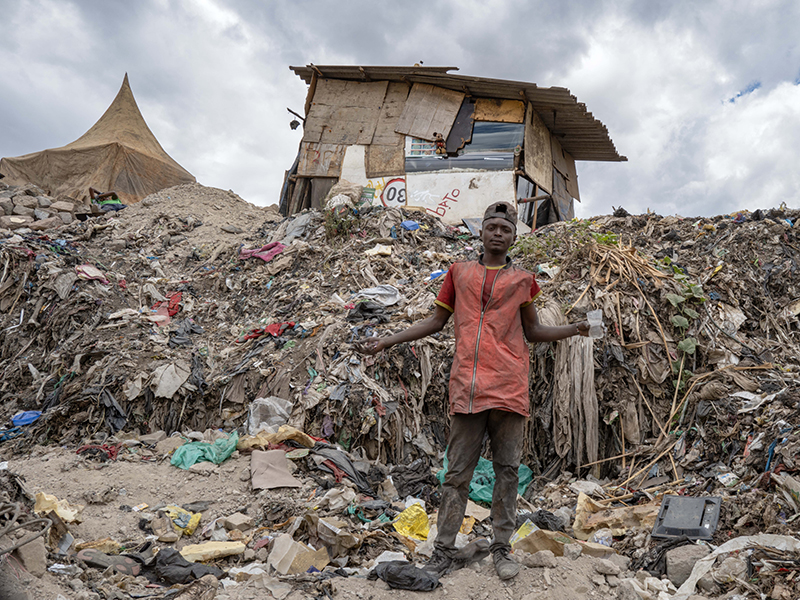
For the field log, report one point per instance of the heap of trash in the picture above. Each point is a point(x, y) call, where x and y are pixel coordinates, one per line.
point(194, 330)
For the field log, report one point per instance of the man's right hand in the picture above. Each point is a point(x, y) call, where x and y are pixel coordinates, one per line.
point(370, 345)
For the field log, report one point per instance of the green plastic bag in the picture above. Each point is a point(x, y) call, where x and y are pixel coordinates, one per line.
point(482, 484)
point(195, 452)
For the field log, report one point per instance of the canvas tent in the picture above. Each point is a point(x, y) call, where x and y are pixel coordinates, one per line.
point(118, 153)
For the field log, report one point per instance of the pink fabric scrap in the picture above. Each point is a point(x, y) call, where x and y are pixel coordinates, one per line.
point(265, 253)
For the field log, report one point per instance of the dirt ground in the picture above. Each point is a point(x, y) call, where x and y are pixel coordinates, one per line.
point(124, 484)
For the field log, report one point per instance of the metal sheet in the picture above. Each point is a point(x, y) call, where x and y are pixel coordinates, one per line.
point(461, 133)
point(499, 110)
point(457, 195)
point(538, 151)
point(428, 110)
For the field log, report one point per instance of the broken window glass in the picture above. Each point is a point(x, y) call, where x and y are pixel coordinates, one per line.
point(491, 149)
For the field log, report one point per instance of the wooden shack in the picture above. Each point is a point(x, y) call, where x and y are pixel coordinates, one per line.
point(422, 137)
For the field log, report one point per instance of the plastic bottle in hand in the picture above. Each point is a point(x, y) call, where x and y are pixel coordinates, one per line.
point(595, 318)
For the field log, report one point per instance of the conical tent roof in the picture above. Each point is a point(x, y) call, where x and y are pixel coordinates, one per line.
point(118, 153)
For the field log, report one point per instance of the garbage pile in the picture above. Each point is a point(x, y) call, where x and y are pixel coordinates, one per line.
point(196, 328)
point(30, 207)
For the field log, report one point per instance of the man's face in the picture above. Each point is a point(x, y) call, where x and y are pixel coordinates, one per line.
point(497, 235)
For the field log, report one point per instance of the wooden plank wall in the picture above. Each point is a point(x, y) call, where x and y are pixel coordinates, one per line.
point(320, 160)
point(386, 155)
point(504, 111)
point(428, 110)
point(344, 112)
point(538, 151)
point(563, 161)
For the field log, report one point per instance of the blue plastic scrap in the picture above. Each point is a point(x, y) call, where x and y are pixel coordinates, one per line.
point(409, 225)
point(26, 417)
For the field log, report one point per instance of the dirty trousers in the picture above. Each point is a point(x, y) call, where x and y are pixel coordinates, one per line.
point(506, 431)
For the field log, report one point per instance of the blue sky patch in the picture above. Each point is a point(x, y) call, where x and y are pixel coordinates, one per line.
point(748, 90)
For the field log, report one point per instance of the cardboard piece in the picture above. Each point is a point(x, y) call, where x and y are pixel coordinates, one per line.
point(289, 557)
point(541, 539)
point(270, 470)
point(591, 516)
point(476, 511)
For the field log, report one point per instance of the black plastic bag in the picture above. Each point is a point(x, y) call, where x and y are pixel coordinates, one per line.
point(173, 568)
point(402, 575)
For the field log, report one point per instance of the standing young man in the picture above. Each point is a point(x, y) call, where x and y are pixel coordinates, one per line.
point(492, 302)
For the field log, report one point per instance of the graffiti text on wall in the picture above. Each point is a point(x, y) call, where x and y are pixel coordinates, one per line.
point(425, 197)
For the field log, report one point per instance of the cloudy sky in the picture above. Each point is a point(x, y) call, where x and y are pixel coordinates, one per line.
point(702, 97)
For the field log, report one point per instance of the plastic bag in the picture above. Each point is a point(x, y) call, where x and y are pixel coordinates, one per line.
point(413, 523)
point(482, 484)
point(195, 452)
point(183, 520)
point(602, 536)
point(401, 575)
point(267, 413)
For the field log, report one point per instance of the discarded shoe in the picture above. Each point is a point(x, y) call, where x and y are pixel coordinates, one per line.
point(506, 566)
point(122, 564)
point(475, 551)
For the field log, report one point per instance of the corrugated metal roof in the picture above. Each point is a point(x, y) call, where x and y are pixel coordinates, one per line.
point(579, 133)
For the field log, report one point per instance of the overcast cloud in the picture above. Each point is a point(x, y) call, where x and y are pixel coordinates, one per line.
point(702, 97)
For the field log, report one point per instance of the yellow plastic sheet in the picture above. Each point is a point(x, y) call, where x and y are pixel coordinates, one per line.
point(183, 520)
point(413, 523)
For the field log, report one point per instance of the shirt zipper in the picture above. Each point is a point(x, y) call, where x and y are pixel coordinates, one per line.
point(478, 339)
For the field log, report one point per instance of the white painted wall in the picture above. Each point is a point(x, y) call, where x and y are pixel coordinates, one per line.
point(353, 169)
point(453, 195)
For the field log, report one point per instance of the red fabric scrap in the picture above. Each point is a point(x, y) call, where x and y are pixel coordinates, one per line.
point(275, 330)
point(337, 472)
point(379, 408)
point(110, 452)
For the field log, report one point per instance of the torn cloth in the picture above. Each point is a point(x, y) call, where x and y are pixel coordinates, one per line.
point(342, 462)
point(574, 396)
point(265, 253)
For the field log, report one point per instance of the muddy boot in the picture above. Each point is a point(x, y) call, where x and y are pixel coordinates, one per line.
point(439, 563)
point(475, 551)
point(506, 566)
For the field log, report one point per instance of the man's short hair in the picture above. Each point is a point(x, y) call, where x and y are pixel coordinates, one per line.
point(501, 210)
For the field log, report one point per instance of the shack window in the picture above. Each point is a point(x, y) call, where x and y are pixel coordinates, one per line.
point(495, 137)
point(491, 149)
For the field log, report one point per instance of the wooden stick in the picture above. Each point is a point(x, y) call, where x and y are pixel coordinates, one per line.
point(602, 460)
point(622, 437)
point(674, 468)
point(632, 494)
point(677, 387)
point(763, 367)
point(619, 318)
point(586, 289)
point(650, 408)
point(535, 214)
point(650, 464)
